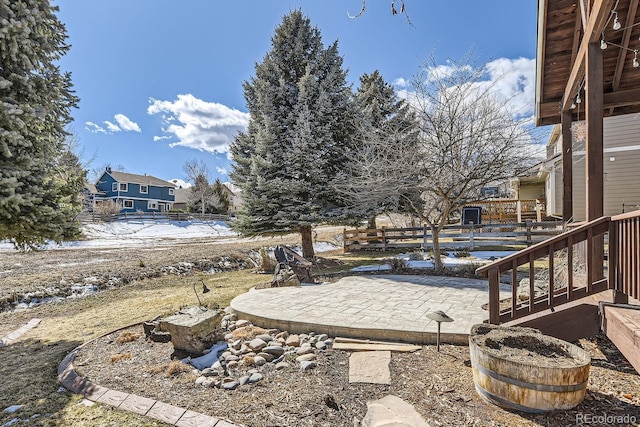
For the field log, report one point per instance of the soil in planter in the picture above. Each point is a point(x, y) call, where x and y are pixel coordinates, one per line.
point(529, 349)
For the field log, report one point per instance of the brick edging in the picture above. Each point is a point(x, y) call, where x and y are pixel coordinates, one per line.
point(181, 417)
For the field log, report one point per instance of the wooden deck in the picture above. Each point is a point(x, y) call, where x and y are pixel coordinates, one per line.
point(583, 290)
point(622, 326)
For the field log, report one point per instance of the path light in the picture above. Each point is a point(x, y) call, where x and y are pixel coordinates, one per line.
point(204, 291)
point(439, 316)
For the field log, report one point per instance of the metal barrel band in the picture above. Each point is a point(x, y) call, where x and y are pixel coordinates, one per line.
point(505, 403)
point(532, 386)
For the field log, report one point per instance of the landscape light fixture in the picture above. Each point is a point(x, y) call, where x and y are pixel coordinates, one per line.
point(439, 316)
point(204, 291)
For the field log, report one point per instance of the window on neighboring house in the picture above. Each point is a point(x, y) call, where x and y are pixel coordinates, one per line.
point(124, 186)
point(127, 204)
point(152, 205)
point(114, 186)
point(144, 189)
point(171, 191)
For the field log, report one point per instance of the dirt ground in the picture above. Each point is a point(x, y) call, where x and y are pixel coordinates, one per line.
point(439, 385)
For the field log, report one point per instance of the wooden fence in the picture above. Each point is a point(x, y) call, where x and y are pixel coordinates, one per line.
point(451, 237)
point(153, 216)
point(511, 210)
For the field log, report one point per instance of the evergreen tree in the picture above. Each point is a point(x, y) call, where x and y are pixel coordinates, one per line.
point(385, 134)
point(298, 135)
point(221, 198)
point(37, 202)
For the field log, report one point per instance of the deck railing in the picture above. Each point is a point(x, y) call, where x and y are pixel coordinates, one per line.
point(511, 210)
point(624, 254)
point(572, 264)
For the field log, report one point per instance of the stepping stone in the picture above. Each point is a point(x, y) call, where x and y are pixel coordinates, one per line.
point(392, 411)
point(370, 367)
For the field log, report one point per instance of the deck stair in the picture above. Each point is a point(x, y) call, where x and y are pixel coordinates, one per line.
point(570, 277)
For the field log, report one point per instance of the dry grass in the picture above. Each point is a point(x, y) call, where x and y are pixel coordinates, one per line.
point(127, 337)
point(120, 357)
point(247, 332)
point(29, 366)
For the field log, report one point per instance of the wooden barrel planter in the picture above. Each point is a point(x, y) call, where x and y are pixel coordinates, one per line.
point(524, 370)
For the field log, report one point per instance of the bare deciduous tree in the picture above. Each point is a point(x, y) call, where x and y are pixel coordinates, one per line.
point(468, 138)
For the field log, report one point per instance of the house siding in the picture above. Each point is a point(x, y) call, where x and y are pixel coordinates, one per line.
point(156, 193)
point(621, 171)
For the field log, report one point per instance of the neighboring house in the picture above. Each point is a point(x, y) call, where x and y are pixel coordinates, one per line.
point(621, 171)
point(235, 198)
point(90, 195)
point(133, 192)
point(181, 199)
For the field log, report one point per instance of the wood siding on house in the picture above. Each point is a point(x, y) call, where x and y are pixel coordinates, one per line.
point(621, 168)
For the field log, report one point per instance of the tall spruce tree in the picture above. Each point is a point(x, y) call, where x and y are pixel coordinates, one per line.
point(386, 133)
point(298, 135)
point(38, 199)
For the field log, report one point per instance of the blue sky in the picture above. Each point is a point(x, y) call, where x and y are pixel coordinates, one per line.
point(160, 81)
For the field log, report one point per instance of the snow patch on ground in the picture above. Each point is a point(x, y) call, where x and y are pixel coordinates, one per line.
point(474, 258)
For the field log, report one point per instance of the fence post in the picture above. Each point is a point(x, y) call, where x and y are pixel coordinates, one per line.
point(344, 239)
point(424, 237)
point(384, 239)
point(528, 225)
point(471, 237)
point(519, 211)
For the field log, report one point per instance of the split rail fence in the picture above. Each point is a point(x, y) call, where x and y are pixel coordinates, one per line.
point(167, 216)
point(451, 237)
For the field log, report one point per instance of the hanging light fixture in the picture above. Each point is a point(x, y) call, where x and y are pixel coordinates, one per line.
point(578, 99)
point(603, 43)
point(636, 64)
point(616, 21)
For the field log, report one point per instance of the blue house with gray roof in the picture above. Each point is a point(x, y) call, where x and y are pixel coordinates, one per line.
point(132, 192)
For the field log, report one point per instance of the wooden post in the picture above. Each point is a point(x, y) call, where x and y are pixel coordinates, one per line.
point(529, 240)
point(519, 210)
point(425, 241)
point(595, 150)
point(344, 239)
point(384, 239)
point(494, 296)
point(567, 167)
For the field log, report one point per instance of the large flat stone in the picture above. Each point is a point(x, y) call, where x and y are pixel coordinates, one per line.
point(370, 367)
point(391, 411)
point(192, 329)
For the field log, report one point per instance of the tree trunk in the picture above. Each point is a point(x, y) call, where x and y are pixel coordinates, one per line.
point(437, 259)
point(307, 242)
point(371, 225)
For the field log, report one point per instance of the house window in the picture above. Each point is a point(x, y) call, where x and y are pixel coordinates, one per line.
point(171, 191)
point(124, 186)
point(152, 205)
point(114, 186)
point(127, 204)
point(144, 189)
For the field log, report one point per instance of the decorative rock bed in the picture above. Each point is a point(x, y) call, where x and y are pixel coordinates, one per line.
point(238, 359)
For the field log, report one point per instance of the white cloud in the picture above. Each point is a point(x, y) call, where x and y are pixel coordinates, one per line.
point(94, 128)
point(510, 80)
point(111, 127)
point(126, 124)
point(123, 123)
point(198, 124)
point(400, 82)
point(222, 171)
point(180, 183)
